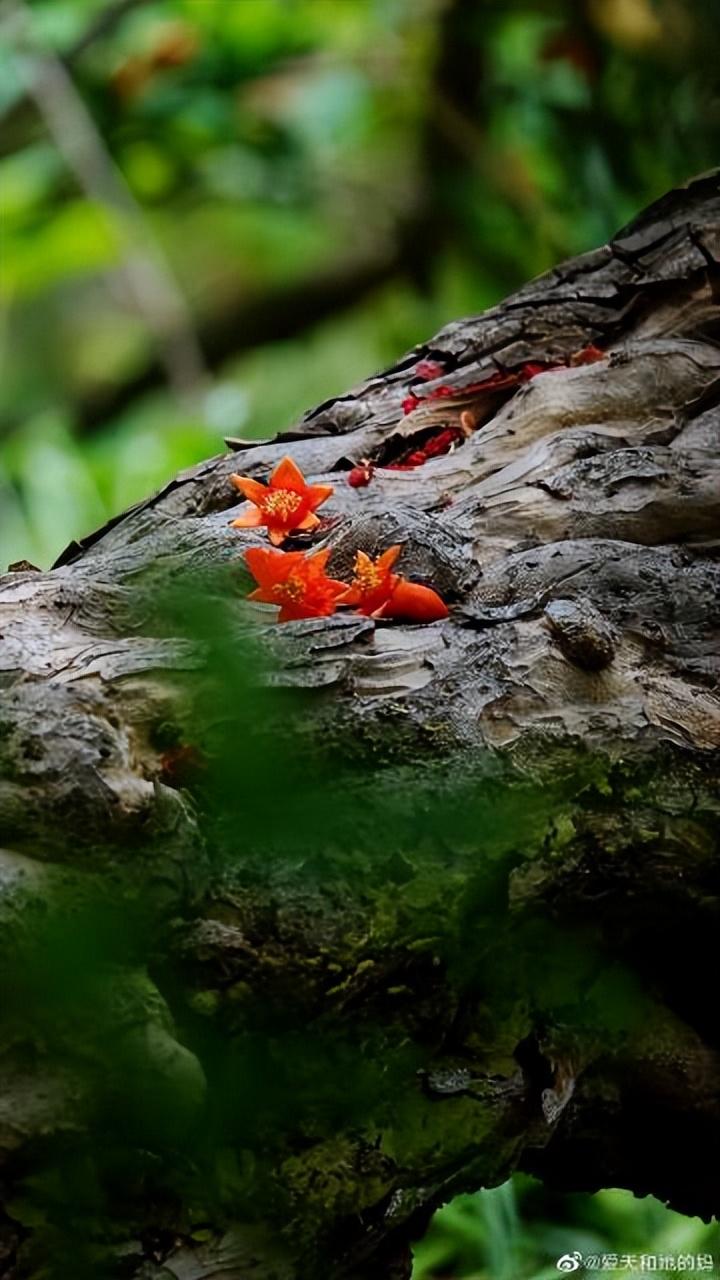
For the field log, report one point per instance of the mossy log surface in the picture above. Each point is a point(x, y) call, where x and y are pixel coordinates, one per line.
point(260, 1024)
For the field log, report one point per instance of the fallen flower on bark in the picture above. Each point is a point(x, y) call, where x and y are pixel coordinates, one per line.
point(374, 581)
point(361, 475)
point(299, 585)
point(294, 581)
point(377, 592)
point(284, 505)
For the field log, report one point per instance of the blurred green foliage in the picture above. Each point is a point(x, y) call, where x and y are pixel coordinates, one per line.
point(464, 144)
point(519, 1231)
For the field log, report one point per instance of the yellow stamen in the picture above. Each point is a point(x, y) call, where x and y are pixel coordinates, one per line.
point(292, 589)
point(367, 574)
point(281, 502)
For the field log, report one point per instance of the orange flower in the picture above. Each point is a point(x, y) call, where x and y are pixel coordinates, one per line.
point(373, 583)
point(294, 581)
point(379, 593)
point(285, 504)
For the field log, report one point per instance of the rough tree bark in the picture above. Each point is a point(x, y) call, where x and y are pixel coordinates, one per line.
point(502, 963)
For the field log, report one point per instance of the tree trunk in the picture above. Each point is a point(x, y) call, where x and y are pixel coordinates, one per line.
point(453, 912)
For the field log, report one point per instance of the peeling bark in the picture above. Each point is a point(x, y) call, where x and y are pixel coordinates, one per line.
point(501, 964)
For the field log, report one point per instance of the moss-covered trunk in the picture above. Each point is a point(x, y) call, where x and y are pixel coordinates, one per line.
point(301, 939)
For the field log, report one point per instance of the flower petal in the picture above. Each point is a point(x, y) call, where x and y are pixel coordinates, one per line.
point(310, 522)
point(287, 475)
point(250, 520)
point(319, 559)
point(270, 567)
point(386, 561)
point(411, 602)
point(253, 490)
point(333, 584)
point(313, 594)
point(316, 494)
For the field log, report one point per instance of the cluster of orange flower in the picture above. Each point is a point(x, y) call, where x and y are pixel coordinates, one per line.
point(298, 582)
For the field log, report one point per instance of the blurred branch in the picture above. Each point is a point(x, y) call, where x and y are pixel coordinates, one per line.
point(148, 281)
point(446, 162)
point(18, 118)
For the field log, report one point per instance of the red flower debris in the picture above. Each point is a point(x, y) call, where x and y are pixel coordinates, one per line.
point(587, 355)
point(428, 370)
point(437, 445)
point(296, 582)
point(498, 381)
point(439, 393)
point(361, 475)
point(377, 592)
point(284, 505)
point(502, 380)
point(442, 442)
point(445, 440)
point(411, 402)
point(412, 460)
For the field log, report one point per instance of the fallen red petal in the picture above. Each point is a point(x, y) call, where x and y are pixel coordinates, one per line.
point(588, 355)
point(411, 602)
point(409, 403)
point(360, 476)
point(429, 370)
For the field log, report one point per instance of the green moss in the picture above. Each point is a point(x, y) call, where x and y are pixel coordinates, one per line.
point(333, 1180)
point(205, 1003)
point(434, 1135)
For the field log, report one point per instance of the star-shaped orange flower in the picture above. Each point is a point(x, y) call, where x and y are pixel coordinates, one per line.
point(294, 581)
point(285, 504)
point(379, 593)
point(374, 582)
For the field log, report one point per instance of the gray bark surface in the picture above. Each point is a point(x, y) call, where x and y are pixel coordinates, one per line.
point(511, 971)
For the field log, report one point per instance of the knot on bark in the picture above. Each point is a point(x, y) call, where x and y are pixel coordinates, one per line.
point(583, 634)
